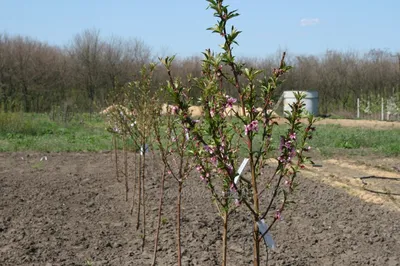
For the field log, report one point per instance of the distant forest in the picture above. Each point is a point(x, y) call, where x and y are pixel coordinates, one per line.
point(84, 75)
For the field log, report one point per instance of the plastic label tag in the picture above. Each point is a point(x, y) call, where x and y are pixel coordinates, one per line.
point(262, 228)
point(241, 168)
point(145, 150)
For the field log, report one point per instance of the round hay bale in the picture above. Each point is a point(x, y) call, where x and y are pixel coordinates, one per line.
point(165, 108)
point(196, 111)
point(269, 112)
point(116, 108)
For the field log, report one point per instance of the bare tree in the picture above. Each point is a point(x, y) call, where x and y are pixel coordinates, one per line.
point(86, 52)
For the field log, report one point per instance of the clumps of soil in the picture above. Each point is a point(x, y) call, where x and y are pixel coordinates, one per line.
point(70, 210)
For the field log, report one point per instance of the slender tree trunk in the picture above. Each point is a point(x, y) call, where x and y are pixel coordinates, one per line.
point(178, 224)
point(115, 145)
point(159, 218)
point(256, 244)
point(225, 239)
point(134, 181)
point(126, 169)
point(144, 198)
point(139, 192)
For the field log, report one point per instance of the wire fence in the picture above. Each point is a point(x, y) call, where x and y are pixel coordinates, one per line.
point(378, 108)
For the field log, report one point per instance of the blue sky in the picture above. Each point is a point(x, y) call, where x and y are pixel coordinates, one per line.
point(178, 26)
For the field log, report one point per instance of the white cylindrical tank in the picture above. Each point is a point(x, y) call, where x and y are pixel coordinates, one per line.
point(311, 101)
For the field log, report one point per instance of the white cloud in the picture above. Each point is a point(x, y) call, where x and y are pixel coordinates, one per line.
point(309, 21)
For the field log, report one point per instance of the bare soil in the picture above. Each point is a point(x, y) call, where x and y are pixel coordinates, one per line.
point(375, 124)
point(70, 210)
point(369, 124)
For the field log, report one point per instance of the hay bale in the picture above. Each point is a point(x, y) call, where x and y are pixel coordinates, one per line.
point(165, 108)
point(229, 111)
point(269, 112)
point(168, 109)
point(115, 109)
point(235, 109)
point(196, 111)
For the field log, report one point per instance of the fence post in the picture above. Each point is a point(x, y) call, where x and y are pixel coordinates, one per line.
point(382, 110)
point(358, 108)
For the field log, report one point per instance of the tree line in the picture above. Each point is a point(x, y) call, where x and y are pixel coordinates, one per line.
point(87, 74)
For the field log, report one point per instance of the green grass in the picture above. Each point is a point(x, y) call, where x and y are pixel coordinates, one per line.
point(332, 139)
point(36, 132)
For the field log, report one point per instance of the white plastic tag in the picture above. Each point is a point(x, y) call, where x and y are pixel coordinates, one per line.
point(262, 228)
point(241, 168)
point(145, 150)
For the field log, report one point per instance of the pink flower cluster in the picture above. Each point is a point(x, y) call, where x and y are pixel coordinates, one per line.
point(287, 148)
point(209, 149)
point(230, 101)
point(229, 168)
point(232, 187)
point(278, 215)
point(212, 112)
point(174, 109)
point(204, 175)
point(252, 127)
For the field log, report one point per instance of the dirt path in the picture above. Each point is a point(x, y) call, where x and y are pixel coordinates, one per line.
point(374, 124)
point(370, 124)
point(347, 176)
point(69, 210)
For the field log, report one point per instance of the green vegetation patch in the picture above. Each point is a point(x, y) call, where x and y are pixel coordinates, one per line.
point(331, 139)
point(37, 132)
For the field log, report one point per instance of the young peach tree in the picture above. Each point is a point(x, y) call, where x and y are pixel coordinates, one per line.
point(132, 119)
point(173, 144)
point(218, 139)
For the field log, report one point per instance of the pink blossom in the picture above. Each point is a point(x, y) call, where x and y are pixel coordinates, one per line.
point(174, 109)
point(281, 159)
point(307, 149)
point(209, 149)
point(230, 168)
point(288, 144)
point(212, 112)
point(278, 215)
point(230, 101)
point(232, 187)
point(237, 202)
point(205, 178)
point(252, 127)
